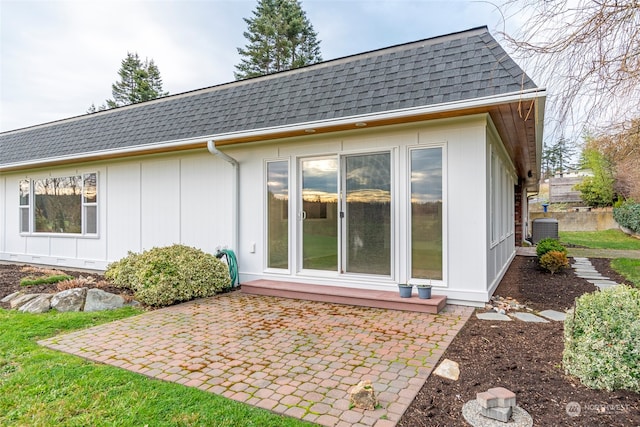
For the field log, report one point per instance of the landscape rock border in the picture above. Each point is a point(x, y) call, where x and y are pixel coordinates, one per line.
point(74, 299)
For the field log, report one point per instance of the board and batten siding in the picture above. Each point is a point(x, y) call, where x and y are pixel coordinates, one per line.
point(187, 198)
point(465, 245)
point(142, 203)
point(500, 202)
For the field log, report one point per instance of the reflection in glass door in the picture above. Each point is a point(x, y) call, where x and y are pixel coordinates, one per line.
point(320, 214)
point(367, 213)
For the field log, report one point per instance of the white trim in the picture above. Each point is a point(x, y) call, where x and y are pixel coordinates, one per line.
point(443, 282)
point(525, 95)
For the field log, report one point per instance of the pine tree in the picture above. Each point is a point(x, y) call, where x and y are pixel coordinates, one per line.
point(280, 37)
point(139, 82)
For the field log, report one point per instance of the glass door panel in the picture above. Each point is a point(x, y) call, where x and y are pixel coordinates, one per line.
point(320, 214)
point(426, 213)
point(367, 213)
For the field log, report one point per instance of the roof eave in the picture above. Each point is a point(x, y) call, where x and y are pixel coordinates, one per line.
point(407, 115)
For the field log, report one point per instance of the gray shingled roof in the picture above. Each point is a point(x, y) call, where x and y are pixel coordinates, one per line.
point(455, 67)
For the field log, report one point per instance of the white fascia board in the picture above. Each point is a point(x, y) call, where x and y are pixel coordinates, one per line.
point(488, 101)
point(106, 153)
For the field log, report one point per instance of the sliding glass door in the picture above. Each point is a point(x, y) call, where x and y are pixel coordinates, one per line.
point(367, 213)
point(319, 213)
point(346, 213)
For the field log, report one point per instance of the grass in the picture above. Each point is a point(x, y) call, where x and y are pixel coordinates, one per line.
point(45, 280)
point(41, 387)
point(606, 239)
point(629, 268)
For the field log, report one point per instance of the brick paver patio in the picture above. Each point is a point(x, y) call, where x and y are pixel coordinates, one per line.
point(298, 358)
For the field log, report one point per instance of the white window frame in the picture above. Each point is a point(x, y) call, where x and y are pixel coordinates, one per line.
point(418, 281)
point(83, 203)
point(266, 218)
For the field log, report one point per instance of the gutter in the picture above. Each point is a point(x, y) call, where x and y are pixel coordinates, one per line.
point(229, 137)
point(488, 101)
point(235, 190)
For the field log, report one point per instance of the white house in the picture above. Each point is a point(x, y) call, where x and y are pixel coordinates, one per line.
point(404, 164)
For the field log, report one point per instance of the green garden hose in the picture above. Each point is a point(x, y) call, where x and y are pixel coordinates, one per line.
point(232, 262)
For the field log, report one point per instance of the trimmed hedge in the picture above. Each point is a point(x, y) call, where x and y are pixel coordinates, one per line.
point(628, 215)
point(602, 339)
point(164, 276)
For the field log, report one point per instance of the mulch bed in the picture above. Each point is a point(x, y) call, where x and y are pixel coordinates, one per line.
point(11, 274)
point(525, 358)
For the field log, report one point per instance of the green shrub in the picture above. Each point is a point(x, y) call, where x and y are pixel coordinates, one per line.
point(45, 280)
point(549, 244)
point(602, 339)
point(628, 215)
point(165, 276)
point(554, 261)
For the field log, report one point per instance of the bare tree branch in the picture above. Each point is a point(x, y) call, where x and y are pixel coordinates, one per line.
point(587, 52)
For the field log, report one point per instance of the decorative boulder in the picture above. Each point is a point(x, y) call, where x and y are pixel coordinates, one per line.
point(9, 297)
point(98, 300)
point(363, 396)
point(18, 302)
point(40, 304)
point(448, 369)
point(69, 300)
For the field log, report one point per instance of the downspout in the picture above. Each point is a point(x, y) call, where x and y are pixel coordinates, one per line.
point(235, 186)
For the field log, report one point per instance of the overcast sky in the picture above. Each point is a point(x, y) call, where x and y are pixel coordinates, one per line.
point(59, 57)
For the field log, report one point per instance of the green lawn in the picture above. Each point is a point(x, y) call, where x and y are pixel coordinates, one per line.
point(41, 387)
point(606, 239)
point(629, 268)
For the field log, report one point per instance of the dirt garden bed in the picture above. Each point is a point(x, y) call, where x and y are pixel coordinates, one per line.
point(525, 358)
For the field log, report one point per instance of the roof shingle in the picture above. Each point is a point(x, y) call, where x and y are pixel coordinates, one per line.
point(455, 67)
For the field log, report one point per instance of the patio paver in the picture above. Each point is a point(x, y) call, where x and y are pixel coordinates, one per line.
point(299, 358)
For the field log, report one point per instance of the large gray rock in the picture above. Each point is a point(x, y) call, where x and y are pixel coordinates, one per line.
point(69, 300)
point(21, 300)
point(9, 297)
point(100, 300)
point(40, 304)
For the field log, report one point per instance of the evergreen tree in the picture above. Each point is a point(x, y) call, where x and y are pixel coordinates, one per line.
point(280, 37)
point(556, 158)
point(139, 82)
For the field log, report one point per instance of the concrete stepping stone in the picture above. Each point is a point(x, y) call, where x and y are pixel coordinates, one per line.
point(591, 276)
point(604, 282)
point(558, 316)
point(586, 270)
point(529, 317)
point(493, 316)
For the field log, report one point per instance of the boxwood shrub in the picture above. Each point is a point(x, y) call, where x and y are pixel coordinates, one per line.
point(549, 244)
point(602, 339)
point(628, 215)
point(164, 276)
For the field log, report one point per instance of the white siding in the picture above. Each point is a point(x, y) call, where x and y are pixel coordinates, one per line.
point(142, 203)
point(187, 198)
point(500, 205)
point(465, 237)
point(160, 203)
point(122, 204)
